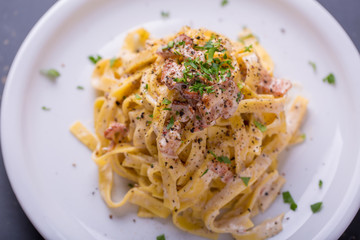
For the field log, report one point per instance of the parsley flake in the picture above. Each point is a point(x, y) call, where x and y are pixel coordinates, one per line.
point(260, 126)
point(313, 65)
point(161, 237)
point(94, 60)
point(303, 136)
point(330, 79)
point(248, 48)
point(288, 199)
point(147, 86)
point(137, 97)
point(201, 88)
point(165, 14)
point(242, 39)
point(316, 207)
point(80, 87)
point(148, 123)
point(238, 97)
point(204, 172)
point(45, 108)
point(223, 159)
point(52, 74)
point(112, 61)
point(224, 3)
point(171, 123)
point(320, 183)
point(168, 109)
point(245, 180)
point(166, 101)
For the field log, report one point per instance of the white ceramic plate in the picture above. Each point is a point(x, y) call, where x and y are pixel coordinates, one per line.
point(63, 202)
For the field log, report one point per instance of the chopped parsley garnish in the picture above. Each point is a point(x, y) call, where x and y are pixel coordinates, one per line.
point(330, 79)
point(171, 123)
point(165, 14)
point(224, 2)
point(316, 207)
point(94, 60)
point(198, 117)
point(313, 65)
point(303, 136)
point(201, 88)
point(148, 123)
point(168, 109)
point(137, 97)
point(80, 87)
point(242, 39)
point(248, 48)
point(161, 237)
point(147, 86)
point(180, 43)
point(112, 62)
point(320, 183)
point(50, 73)
point(288, 199)
point(151, 115)
point(240, 86)
point(169, 45)
point(245, 180)
point(204, 172)
point(238, 97)
point(260, 126)
point(223, 159)
point(166, 101)
point(210, 55)
point(45, 108)
point(216, 67)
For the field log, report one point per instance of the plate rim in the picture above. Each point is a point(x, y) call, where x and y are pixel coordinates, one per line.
point(37, 221)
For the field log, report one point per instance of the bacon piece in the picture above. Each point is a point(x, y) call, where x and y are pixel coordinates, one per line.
point(171, 70)
point(184, 110)
point(221, 169)
point(115, 128)
point(185, 50)
point(275, 86)
point(222, 103)
point(224, 99)
point(170, 141)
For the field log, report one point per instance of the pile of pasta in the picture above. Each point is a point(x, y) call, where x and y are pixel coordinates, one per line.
point(131, 93)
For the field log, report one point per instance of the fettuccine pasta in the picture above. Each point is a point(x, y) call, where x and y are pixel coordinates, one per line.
point(196, 121)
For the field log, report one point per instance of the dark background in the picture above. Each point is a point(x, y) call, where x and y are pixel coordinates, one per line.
point(17, 19)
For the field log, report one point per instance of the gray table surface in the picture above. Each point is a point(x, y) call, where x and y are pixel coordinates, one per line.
point(19, 16)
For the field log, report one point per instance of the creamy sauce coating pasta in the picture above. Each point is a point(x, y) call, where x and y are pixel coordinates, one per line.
point(197, 122)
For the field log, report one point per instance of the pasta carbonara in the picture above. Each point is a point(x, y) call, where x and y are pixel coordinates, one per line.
point(197, 122)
